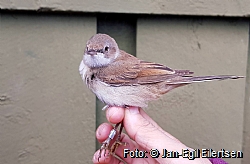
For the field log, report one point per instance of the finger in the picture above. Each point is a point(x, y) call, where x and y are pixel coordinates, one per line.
point(145, 115)
point(127, 152)
point(115, 114)
point(103, 131)
point(144, 133)
point(102, 134)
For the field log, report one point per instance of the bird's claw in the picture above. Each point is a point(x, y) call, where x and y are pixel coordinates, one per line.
point(106, 144)
point(115, 145)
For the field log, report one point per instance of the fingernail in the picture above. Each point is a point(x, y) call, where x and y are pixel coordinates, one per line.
point(100, 130)
point(133, 110)
point(95, 157)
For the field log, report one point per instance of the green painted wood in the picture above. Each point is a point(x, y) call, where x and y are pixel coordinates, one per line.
point(202, 115)
point(47, 114)
point(246, 128)
point(185, 7)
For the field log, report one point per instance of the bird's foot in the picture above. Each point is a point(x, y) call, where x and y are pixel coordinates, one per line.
point(116, 144)
point(106, 144)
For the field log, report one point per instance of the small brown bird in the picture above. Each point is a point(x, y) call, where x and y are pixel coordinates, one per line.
point(120, 79)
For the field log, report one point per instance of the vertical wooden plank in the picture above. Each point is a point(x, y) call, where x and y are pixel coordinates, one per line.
point(246, 125)
point(46, 112)
point(122, 28)
point(203, 115)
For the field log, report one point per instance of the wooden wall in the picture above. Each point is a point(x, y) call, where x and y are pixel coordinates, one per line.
point(47, 115)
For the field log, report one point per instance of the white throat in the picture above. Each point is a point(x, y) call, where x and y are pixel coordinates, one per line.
point(98, 60)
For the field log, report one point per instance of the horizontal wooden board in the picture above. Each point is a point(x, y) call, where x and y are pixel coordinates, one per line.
point(181, 7)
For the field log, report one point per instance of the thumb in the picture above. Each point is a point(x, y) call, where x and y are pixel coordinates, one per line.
point(146, 134)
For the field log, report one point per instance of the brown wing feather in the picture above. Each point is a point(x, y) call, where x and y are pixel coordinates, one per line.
point(128, 70)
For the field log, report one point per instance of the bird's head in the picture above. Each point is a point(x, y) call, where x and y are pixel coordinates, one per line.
point(100, 51)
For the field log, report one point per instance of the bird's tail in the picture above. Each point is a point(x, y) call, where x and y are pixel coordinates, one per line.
point(196, 79)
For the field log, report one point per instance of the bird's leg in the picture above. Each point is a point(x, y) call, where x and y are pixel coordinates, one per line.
point(105, 144)
point(112, 134)
point(115, 145)
point(117, 142)
point(105, 107)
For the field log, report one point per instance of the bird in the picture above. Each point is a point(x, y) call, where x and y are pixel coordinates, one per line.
point(120, 79)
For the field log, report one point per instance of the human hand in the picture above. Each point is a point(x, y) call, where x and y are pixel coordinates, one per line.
point(144, 134)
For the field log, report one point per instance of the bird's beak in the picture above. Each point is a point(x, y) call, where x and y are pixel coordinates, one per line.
point(91, 52)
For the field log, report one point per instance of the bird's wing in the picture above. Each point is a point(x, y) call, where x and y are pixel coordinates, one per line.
point(138, 72)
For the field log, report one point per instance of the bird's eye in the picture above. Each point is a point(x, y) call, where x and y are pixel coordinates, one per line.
point(106, 48)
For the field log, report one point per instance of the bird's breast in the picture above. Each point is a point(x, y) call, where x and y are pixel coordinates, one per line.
point(138, 95)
